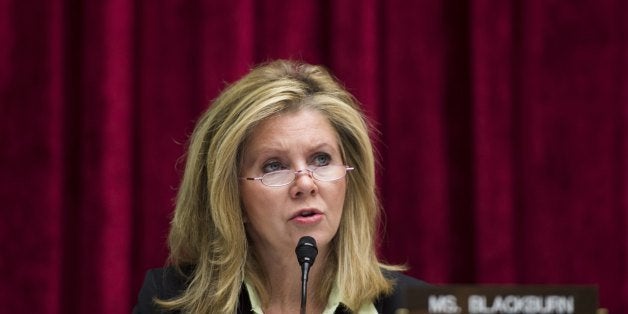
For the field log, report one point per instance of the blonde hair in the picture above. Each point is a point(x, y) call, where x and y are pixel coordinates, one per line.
point(207, 231)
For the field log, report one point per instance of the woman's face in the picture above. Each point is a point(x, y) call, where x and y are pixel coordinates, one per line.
point(276, 217)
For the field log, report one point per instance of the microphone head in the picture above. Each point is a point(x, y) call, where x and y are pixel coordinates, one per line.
point(306, 250)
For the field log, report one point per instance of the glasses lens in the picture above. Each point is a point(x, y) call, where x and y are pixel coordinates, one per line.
point(330, 173)
point(278, 178)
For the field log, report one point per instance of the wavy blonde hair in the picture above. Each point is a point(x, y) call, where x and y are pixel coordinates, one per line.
point(207, 230)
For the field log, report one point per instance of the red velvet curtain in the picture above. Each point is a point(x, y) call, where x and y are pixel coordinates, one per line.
point(503, 139)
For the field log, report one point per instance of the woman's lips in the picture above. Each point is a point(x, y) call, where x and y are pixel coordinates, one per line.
point(307, 216)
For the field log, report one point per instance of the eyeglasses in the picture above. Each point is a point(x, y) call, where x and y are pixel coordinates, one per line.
point(285, 177)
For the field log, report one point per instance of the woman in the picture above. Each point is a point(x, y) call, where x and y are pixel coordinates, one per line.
point(281, 154)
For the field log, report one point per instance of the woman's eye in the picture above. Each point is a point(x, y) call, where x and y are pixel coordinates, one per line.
point(322, 160)
point(272, 166)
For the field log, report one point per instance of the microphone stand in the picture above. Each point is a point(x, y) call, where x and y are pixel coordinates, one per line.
point(305, 269)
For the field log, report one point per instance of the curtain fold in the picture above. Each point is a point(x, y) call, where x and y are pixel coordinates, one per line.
point(501, 130)
point(495, 46)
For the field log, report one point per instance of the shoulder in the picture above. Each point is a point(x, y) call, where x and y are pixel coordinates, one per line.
point(169, 282)
point(391, 302)
point(401, 280)
point(160, 283)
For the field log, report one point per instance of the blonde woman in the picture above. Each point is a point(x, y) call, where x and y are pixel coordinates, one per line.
point(281, 154)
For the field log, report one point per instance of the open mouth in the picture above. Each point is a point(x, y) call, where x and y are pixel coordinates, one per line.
point(307, 214)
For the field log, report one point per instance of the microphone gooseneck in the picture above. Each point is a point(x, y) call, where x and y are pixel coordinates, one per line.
point(306, 251)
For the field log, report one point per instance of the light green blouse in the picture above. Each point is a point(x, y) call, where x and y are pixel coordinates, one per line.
point(332, 304)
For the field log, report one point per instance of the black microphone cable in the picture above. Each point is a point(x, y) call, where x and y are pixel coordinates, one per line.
point(306, 251)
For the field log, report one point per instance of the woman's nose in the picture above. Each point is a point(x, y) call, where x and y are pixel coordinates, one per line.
point(304, 183)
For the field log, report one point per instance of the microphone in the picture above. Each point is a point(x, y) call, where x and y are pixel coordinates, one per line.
point(306, 254)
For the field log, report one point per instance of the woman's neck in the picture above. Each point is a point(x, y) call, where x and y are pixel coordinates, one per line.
point(284, 275)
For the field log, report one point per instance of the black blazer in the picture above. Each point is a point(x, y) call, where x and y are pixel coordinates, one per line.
point(166, 283)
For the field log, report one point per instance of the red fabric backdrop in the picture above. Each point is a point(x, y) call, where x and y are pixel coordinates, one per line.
point(503, 138)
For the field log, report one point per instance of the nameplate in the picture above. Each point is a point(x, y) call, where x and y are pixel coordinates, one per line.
point(501, 299)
